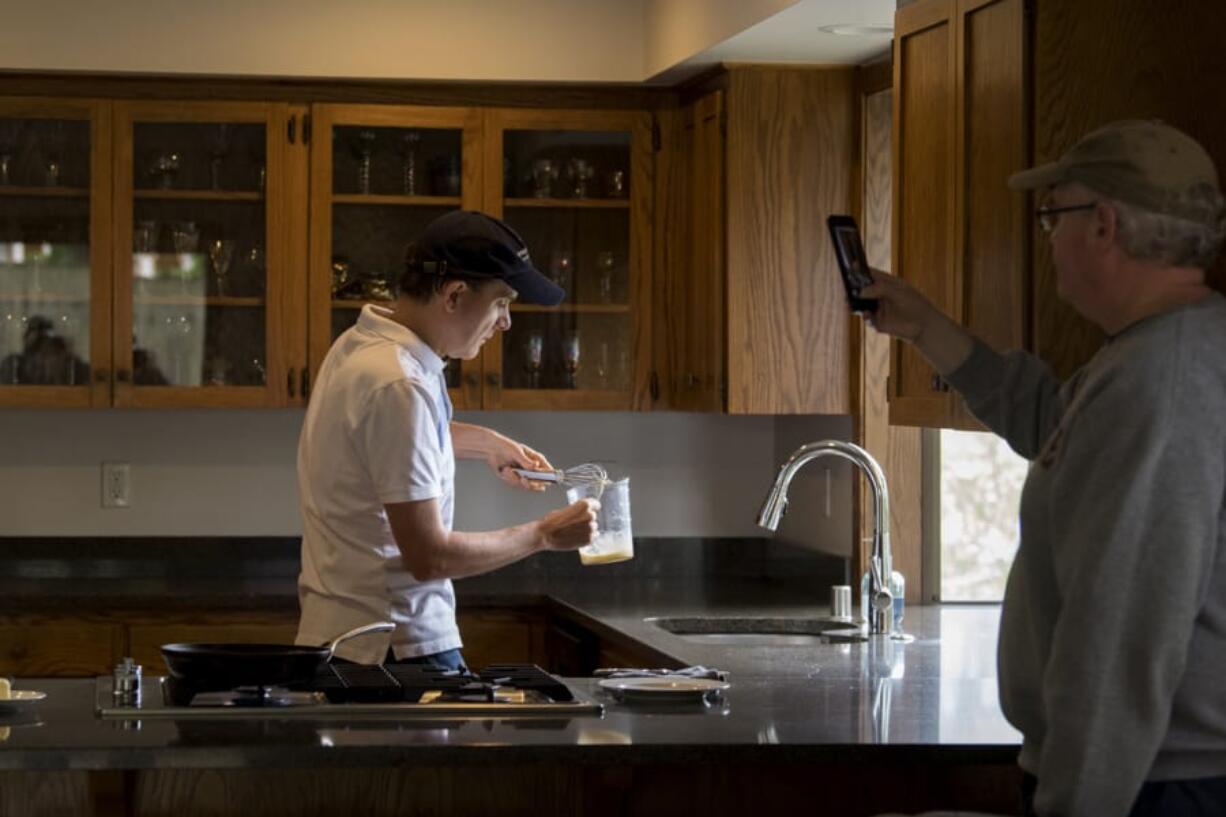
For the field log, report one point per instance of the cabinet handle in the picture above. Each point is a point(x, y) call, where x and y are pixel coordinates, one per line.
point(304, 385)
point(493, 379)
point(472, 380)
point(655, 386)
point(290, 128)
point(289, 382)
point(123, 375)
point(101, 375)
point(691, 380)
point(938, 384)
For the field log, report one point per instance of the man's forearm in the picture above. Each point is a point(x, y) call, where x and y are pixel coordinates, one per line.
point(470, 441)
point(463, 554)
point(944, 344)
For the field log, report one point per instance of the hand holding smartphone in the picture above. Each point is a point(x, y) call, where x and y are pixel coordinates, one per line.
point(853, 263)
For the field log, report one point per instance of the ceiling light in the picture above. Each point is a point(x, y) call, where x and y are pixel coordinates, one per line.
point(859, 31)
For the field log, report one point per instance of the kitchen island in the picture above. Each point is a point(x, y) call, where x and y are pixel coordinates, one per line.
point(843, 728)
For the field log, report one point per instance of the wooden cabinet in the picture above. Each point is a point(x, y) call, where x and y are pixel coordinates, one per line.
point(145, 638)
point(58, 646)
point(984, 88)
point(752, 316)
point(577, 185)
point(147, 253)
point(157, 254)
point(960, 235)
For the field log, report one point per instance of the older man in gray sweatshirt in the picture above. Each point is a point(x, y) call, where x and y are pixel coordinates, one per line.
point(1112, 655)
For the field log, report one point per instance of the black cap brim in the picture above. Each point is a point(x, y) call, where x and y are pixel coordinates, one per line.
point(533, 286)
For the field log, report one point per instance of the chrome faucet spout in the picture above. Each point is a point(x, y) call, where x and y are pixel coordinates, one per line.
point(880, 619)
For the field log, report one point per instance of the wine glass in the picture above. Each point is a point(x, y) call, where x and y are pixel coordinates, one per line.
point(9, 129)
point(534, 358)
point(218, 147)
point(570, 358)
point(605, 266)
point(221, 255)
point(185, 236)
point(407, 147)
point(363, 145)
point(602, 364)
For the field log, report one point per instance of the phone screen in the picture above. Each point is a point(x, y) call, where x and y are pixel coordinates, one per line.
point(853, 263)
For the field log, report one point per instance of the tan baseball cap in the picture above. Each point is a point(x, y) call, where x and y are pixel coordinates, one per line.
point(1143, 162)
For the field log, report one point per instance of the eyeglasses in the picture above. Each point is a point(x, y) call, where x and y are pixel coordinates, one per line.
point(1049, 216)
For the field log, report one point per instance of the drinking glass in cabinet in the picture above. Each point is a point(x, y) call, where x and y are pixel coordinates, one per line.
point(605, 268)
point(9, 129)
point(445, 175)
point(534, 358)
point(53, 148)
point(219, 149)
point(615, 184)
point(562, 270)
point(363, 147)
point(570, 358)
point(408, 146)
point(544, 173)
point(580, 172)
point(164, 169)
point(145, 236)
point(221, 256)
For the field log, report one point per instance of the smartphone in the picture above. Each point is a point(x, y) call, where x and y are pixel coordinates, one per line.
point(853, 264)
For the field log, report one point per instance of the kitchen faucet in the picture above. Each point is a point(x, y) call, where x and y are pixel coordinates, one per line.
point(881, 589)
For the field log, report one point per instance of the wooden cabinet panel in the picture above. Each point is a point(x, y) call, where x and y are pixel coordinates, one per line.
point(924, 198)
point(57, 647)
point(500, 636)
point(791, 143)
point(145, 640)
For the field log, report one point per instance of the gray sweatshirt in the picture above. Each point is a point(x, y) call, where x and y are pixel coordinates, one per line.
point(1112, 655)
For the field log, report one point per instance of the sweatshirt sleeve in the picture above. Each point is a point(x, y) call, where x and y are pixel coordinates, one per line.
point(1014, 394)
point(1137, 491)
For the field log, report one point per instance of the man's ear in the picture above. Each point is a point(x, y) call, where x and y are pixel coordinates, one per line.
point(1106, 223)
point(451, 294)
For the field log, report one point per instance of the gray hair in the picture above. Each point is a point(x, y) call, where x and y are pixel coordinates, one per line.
point(1149, 236)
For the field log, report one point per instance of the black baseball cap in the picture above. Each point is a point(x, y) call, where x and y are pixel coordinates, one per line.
point(466, 242)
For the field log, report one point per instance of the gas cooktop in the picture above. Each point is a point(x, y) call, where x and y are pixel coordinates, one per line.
point(357, 690)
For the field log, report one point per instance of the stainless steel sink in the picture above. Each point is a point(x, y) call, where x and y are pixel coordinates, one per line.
point(755, 632)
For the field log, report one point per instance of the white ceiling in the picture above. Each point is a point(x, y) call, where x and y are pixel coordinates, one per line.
point(794, 35)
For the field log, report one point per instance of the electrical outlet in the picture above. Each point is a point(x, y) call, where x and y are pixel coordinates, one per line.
point(116, 485)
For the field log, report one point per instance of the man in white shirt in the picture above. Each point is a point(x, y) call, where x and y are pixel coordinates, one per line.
point(376, 459)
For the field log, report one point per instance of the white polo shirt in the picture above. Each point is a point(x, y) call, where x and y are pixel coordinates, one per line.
point(376, 432)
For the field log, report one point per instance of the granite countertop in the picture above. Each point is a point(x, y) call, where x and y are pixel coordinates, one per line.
point(935, 696)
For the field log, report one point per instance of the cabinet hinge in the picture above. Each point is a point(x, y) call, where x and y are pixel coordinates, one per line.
point(655, 386)
point(306, 129)
point(656, 140)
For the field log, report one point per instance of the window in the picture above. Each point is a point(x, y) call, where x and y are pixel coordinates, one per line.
point(980, 485)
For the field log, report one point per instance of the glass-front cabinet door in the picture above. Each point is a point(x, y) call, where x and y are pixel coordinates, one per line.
point(379, 175)
point(576, 185)
point(202, 236)
point(55, 203)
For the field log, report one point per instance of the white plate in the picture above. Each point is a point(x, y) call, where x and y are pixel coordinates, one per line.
point(663, 688)
point(21, 701)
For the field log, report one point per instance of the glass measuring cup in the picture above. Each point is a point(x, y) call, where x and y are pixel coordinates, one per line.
point(614, 540)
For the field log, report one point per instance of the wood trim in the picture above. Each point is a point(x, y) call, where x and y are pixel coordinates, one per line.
point(319, 252)
point(916, 17)
point(642, 183)
point(874, 78)
point(101, 213)
point(338, 91)
point(565, 400)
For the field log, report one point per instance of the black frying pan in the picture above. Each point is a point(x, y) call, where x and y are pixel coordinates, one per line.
point(225, 666)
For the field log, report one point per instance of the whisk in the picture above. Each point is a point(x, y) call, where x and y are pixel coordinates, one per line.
point(589, 473)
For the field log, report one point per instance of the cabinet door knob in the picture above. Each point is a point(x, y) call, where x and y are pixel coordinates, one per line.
point(939, 384)
point(471, 379)
point(493, 379)
point(691, 380)
point(123, 375)
point(102, 375)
